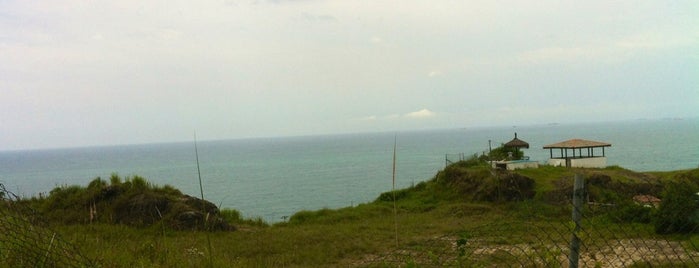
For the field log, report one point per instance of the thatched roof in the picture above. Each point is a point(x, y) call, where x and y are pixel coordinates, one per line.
point(517, 143)
point(577, 143)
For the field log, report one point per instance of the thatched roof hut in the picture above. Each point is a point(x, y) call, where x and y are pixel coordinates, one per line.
point(516, 143)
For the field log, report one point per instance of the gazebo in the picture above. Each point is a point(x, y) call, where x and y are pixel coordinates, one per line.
point(517, 143)
point(519, 163)
point(571, 153)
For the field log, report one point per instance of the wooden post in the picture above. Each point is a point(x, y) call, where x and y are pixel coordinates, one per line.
point(578, 194)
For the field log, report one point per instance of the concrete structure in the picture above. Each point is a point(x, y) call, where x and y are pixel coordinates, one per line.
point(578, 153)
point(515, 164)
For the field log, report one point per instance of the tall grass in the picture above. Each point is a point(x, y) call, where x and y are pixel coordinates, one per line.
point(203, 208)
point(432, 214)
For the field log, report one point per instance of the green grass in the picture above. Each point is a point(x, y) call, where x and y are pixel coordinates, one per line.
point(445, 220)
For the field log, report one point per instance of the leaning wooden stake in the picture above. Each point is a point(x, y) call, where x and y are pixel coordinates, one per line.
point(578, 194)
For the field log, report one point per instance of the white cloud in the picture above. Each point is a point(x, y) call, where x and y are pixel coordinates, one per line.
point(314, 17)
point(424, 113)
point(612, 49)
point(655, 40)
point(562, 54)
point(434, 73)
point(368, 118)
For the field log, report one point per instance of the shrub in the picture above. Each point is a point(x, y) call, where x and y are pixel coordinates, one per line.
point(138, 183)
point(503, 152)
point(302, 216)
point(169, 189)
point(134, 202)
point(472, 161)
point(231, 215)
point(679, 210)
point(398, 194)
point(322, 215)
point(114, 179)
point(632, 213)
point(97, 183)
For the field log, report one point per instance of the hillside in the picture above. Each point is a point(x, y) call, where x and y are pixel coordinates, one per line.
point(467, 215)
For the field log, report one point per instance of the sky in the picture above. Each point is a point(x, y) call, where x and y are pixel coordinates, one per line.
point(86, 73)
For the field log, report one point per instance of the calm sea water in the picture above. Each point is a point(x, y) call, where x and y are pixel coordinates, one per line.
point(275, 177)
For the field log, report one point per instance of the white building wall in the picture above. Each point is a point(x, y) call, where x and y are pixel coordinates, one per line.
point(512, 165)
point(521, 165)
point(556, 162)
point(590, 162)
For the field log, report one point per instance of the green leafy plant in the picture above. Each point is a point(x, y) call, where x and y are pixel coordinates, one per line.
point(502, 153)
point(679, 209)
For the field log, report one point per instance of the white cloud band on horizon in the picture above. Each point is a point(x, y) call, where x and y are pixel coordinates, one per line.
point(420, 114)
point(424, 113)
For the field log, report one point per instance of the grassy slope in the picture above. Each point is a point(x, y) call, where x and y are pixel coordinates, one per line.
point(356, 235)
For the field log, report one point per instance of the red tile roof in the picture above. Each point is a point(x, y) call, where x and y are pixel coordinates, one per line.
point(577, 143)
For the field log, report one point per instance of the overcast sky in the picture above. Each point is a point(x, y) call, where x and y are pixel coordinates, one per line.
point(81, 73)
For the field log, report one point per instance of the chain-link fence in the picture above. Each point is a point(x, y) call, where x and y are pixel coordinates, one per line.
point(27, 241)
point(645, 232)
point(548, 246)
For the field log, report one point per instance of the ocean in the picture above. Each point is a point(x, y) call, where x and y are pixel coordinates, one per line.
point(273, 178)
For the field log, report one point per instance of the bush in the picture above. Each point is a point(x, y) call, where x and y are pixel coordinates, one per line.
point(679, 210)
point(503, 152)
point(302, 216)
point(398, 194)
point(139, 183)
point(231, 215)
point(472, 161)
point(114, 179)
point(134, 202)
point(97, 183)
point(632, 213)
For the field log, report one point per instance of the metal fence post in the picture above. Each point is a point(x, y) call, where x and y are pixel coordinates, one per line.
point(578, 193)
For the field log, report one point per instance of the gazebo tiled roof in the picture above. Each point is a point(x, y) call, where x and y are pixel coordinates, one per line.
point(577, 143)
point(578, 153)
